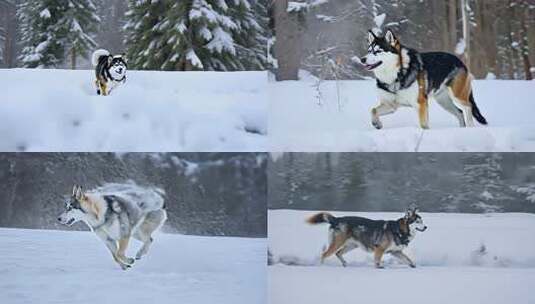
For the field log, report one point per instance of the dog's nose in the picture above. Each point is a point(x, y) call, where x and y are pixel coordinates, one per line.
point(59, 219)
point(363, 59)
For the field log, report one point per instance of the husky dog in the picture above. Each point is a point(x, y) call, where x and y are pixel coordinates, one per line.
point(115, 219)
point(406, 77)
point(377, 236)
point(110, 71)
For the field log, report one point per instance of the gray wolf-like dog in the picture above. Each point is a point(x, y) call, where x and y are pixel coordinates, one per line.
point(117, 216)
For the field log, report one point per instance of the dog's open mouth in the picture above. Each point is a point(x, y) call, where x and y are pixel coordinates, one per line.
point(70, 222)
point(370, 67)
point(421, 229)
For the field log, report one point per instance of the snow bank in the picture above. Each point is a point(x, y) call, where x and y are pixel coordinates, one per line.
point(39, 266)
point(450, 265)
point(452, 239)
point(337, 118)
point(58, 110)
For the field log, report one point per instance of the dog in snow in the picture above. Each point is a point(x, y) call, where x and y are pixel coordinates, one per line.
point(377, 236)
point(110, 71)
point(115, 218)
point(406, 77)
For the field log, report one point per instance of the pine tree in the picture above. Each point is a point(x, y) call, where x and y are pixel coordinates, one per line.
point(77, 26)
point(40, 34)
point(50, 28)
point(250, 34)
point(144, 28)
point(196, 35)
point(482, 186)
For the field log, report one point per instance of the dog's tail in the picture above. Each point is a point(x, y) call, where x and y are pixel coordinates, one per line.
point(97, 54)
point(475, 111)
point(322, 217)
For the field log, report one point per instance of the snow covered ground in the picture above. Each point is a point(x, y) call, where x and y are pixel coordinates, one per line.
point(58, 110)
point(337, 118)
point(39, 266)
point(451, 265)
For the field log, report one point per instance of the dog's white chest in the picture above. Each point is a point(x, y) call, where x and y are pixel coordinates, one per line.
point(408, 97)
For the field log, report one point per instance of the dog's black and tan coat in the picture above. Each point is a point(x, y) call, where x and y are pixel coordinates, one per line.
point(406, 77)
point(377, 236)
point(110, 71)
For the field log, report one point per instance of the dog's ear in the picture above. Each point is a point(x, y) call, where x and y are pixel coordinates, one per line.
point(79, 192)
point(123, 56)
point(74, 188)
point(110, 59)
point(391, 38)
point(371, 37)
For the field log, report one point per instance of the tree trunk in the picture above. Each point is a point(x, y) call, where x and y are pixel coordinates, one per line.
point(452, 23)
point(288, 45)
point(524, 45)
point(73, 58)
point(466, 31)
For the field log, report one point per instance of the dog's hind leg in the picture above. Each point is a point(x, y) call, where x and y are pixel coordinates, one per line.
point(153, 221)
point(404, 258)
point(445, 101)
point(337, 241)
point(345, 249)
point(459, 89)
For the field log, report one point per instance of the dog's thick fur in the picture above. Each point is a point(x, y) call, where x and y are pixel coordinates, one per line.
point(115, 220)
point(110, 71)
point(406, 77)
point(377, 236)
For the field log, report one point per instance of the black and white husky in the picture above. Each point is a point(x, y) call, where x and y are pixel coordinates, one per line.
point(116, 213)
point(377, 236)
point(406, 77)
point(110, 71)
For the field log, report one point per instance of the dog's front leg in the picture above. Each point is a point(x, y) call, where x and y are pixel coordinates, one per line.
point(423, 105)
point(378, 257)
point(404, 258)
point(123, 245)
point(111, 244)
point(382, 109)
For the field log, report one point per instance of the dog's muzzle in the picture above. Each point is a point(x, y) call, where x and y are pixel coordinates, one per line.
point(370, 67)
point(422, 229)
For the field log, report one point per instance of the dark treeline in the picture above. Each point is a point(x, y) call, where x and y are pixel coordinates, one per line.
point(437, 182)
point(496, 38)
point(206, 193)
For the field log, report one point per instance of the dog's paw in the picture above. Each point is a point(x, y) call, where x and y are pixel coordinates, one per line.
point(125, 266)
point(129, 261)
point(377, 124)
point(412, 265)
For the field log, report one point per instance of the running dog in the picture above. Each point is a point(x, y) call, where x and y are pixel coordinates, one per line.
point(110, 71)
point(408, 78)
point(377, 236)
point(116, 218)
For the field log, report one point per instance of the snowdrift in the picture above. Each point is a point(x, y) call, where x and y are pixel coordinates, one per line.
point(336, 117)
point(461, 258)
point(39, 266)
point(58, 110)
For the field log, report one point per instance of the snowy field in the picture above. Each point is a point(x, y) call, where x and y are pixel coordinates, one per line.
point(337, 118)
point(58, 110)
point(38, 266)
point(452, 267)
